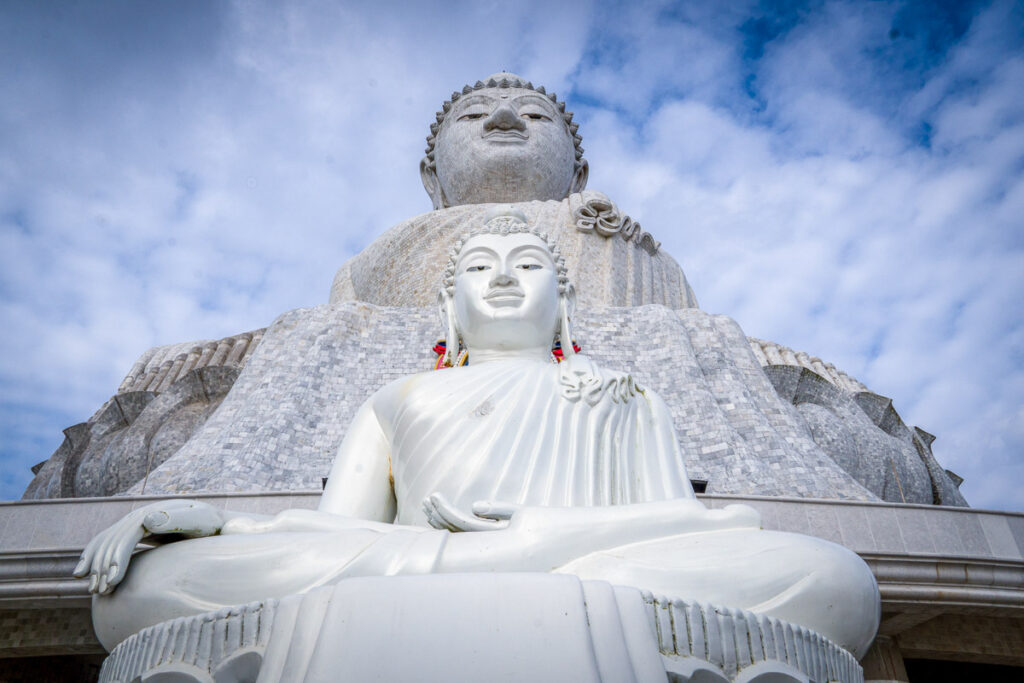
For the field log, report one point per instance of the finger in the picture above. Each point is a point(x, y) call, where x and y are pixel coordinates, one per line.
point(101, 562)
point(102, 587)
point(489, 509)
point(453, 519)
point(114, 576)
point(459, 521)
point(106, 553)
point(119, 563)
point(82, 568)
point(431, 517)
point(89, 555)
point(439, 523)
point(93, 582)
point(116, 555)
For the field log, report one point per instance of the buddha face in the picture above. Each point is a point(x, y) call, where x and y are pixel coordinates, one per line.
point(506, 293)
point(503, 145)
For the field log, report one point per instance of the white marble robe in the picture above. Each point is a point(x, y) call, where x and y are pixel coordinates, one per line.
point(503, 431)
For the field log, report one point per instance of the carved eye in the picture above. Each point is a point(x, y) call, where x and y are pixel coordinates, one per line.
point(472, 116)
point(534, 116)
point(529, 266)
point(477, 269)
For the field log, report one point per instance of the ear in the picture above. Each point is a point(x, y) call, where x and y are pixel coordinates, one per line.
point(579, 178)
point(444, 303)
point(569, 300)
point(428, 174)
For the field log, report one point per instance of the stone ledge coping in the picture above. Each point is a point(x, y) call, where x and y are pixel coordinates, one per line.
point(315, 495)
point(920, 554)
point(864, 527)
point(43, 580)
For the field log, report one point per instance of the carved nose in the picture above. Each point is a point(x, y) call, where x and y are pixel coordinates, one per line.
point(504, 118)
point(503, 279)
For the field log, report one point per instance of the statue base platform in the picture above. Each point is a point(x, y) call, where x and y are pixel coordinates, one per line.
point(472, 627)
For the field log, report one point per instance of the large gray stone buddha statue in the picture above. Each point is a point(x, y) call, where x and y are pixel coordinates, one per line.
point(267, 410)
point(491, 473)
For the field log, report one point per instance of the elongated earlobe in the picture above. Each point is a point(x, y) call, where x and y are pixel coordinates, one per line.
point(431, 183)
point(453, 345)
point(564, 331)
point(579, 177)
point(446, 311)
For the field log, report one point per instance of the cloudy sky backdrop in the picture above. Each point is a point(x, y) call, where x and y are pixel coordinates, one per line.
point(845, 178)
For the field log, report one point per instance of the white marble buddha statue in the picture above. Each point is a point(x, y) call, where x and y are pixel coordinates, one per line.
point(510, 463)
point(504, 141)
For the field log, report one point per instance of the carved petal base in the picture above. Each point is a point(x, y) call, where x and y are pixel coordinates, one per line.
point(471, 627)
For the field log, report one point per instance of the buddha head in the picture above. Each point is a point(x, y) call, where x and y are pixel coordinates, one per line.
point(502, 140)
point(506, 289)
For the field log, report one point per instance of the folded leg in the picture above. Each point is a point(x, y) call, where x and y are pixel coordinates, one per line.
point(799, 579)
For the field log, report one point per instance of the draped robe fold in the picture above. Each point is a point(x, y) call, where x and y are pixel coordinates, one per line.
point(503, 431)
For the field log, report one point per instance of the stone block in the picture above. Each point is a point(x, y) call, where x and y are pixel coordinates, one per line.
point(1000, 537)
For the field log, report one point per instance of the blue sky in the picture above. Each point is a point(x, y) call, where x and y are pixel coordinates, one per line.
point(845, 178)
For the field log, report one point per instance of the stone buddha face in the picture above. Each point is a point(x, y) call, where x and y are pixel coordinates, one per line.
point(506, 293)
point(502, 144)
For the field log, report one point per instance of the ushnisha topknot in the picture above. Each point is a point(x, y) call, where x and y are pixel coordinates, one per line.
point(503, 80)
point(504, 220)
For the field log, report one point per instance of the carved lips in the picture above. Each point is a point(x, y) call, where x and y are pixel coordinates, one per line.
point(505, 136)
point(505, 296)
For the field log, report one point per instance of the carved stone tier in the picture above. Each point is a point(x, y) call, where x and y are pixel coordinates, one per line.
point(165, 398)
point(612, 260)
point(478, 627)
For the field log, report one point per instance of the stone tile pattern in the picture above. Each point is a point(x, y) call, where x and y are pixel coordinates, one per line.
point(284, 418)
point(403, 266)
point(993, 639)
point(36, 632)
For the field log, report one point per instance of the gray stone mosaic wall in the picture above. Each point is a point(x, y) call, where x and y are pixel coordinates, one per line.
point(286, 414)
